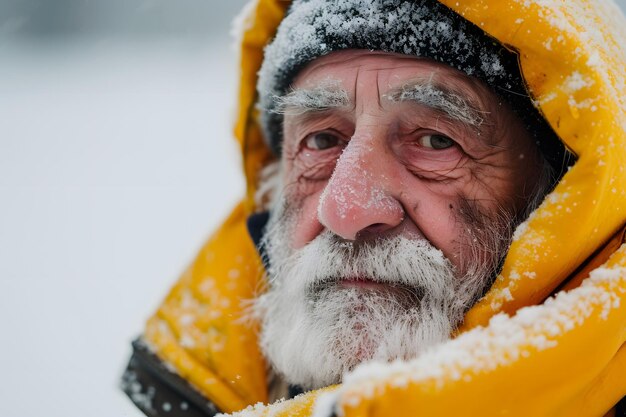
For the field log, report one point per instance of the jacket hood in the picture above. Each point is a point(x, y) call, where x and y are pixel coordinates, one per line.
point(572, 58)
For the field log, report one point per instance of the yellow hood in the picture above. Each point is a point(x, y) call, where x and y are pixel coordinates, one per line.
point(560, 357)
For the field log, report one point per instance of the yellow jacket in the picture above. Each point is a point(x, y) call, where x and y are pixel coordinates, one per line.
point(549, 337)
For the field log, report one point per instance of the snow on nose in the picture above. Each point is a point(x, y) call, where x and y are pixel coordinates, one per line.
point(357, 198)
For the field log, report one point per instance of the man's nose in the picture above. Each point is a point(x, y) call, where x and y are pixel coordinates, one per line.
point(358, 198)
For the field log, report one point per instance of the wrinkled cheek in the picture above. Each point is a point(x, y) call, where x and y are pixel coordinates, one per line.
point(301, 213)
point(439, 219)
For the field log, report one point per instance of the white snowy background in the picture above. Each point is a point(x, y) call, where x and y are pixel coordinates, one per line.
point(116, 163)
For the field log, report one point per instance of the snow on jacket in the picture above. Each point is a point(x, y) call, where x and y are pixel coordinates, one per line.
point(548, 339)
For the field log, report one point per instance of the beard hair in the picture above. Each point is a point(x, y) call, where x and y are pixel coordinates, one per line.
point(314, 329)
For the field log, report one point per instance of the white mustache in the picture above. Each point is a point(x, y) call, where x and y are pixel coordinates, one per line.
point(395, 261)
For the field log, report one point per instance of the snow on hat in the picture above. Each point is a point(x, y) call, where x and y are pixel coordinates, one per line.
point(422, 28)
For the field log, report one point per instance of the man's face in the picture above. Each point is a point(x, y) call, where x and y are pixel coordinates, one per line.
point(402, 180)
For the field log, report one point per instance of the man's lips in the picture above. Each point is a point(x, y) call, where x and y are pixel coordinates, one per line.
point(410, 295)
point(362, 282)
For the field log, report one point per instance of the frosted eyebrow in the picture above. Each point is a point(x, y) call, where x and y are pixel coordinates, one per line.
point(300, 101)
point(453, 105)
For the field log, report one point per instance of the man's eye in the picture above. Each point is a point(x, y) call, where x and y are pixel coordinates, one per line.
point(322, 140)
point(436, 142)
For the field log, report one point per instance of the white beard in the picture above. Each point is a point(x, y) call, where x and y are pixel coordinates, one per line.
point(314, 329)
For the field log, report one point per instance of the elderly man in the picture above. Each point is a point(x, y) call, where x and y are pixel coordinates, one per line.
point(392, 215)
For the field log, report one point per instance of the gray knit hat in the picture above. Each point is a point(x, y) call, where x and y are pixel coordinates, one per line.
point(422, 28)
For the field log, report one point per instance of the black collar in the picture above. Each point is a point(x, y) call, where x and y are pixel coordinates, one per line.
point(257, 224)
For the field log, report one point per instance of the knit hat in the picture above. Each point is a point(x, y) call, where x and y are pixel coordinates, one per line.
point(422, 28)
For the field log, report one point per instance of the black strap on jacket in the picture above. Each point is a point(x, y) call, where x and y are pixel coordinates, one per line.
point(159, 392)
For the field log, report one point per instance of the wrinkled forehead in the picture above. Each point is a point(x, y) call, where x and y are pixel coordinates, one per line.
point(354, 71)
